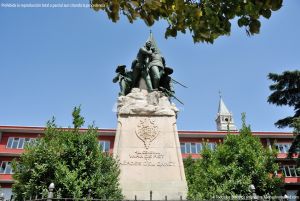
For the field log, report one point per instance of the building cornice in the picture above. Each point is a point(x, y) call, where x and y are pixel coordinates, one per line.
point(292, 184)
point(10, 154)
point(4, 181)
point(182, 133)
point(41, 130)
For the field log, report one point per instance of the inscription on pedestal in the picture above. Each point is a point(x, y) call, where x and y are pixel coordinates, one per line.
point(146, 154)
point(147, 158)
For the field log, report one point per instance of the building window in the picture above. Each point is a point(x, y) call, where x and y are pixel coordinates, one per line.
point(290, 171)
point(212, 145)
point(198, 147)
point(283, 147)
point(6, 167)
point(104, 145)
point(18, 143)
point(190, 148)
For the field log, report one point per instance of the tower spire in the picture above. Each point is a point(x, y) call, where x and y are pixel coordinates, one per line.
point(224, 118)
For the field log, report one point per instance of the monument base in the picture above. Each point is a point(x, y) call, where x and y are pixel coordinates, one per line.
point(147, 147)
point(159, 191)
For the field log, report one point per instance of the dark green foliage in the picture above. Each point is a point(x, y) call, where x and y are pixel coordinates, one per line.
point(286, 91)
point(189, 165)
point(238, 162)
point(70, 159)
point(205, 19)
point(295, 148)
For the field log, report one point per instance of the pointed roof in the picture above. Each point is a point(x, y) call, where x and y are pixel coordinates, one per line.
point(224, 118)
point(153, 42)
point(222, 107)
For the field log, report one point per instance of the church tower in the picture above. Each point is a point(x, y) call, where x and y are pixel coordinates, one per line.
point(224, 118)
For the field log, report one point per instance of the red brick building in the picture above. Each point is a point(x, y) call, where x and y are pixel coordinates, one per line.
point(14, 138)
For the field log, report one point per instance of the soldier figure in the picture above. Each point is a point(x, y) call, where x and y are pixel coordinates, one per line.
point(156, 68)
point(125, 80)
point(139, 66)
point(166, 84)
point(151, 66)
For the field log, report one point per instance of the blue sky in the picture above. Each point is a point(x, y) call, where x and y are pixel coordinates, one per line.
point(52, 59)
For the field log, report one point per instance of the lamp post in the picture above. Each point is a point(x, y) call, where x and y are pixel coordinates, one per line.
point(252, 188)
point(89, 193)
point(2, 196)
point(50, 193)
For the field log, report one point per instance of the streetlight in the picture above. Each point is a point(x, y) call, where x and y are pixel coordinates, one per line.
point(252, 188)
point(50, 194)
point(286, 197)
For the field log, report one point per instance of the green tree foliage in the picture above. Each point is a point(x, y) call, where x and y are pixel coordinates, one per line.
point(205, 19)
point(238, 162)
point(189, 169)
point(295, 148)
point(286, 91)
point(69, 158)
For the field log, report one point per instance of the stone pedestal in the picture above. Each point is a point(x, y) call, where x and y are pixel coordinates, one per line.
point(147, 147)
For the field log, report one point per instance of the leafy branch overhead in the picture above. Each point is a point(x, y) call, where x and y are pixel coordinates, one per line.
point(205, 19)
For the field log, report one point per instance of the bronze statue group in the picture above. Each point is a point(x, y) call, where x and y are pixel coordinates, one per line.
point(149, 65)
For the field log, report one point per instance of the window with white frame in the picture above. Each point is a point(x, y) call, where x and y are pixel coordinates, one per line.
point(18, 143)
point(6, 167)
point(190, 148)
point(283, 147)
point(212, 145)
point(290, 171)
point(104, 145)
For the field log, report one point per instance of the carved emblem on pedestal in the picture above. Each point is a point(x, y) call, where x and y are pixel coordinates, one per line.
point(147, 131)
